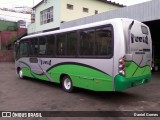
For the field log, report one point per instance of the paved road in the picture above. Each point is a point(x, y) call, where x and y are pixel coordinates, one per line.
point(34, 95)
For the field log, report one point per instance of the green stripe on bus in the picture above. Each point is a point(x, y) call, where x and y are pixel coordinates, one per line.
point(83, 77)
point(27, 72)
point(133, 70)
point(122, 83)
point(134, 76)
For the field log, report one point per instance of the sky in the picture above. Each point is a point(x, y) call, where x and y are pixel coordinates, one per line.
point(12, 16)
point(20, 3)
point(13, 3)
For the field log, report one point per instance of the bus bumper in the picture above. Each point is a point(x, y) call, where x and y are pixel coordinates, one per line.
point(122, 83)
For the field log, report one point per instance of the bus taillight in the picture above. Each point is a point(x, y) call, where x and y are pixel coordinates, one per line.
point(122, 66)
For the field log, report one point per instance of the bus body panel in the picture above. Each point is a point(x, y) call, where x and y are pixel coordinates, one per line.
point(139, 46)
point(119, 48)
point(85, 73)
point(97, 74)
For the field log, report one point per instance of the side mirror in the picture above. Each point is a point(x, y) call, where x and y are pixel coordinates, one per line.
point(128, 57)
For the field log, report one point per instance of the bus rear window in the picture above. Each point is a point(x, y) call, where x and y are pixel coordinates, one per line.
point(144, 30)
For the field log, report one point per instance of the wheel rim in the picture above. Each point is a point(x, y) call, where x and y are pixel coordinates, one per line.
point(67, 83)
point(20, 74)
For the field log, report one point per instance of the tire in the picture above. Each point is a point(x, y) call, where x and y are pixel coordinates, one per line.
point(67, 84)
point(156, 68)
point(20, 73)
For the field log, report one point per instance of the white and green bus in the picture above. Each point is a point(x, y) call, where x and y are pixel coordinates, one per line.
point(110, 55)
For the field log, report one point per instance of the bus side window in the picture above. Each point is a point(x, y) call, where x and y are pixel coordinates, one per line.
point(33, 47)
point(72, 43)
point(17, 51)
point(87, 42)
point(103, 43)
point(50, 45)
point(42, 46)
point(23, 49)
point(61, 44)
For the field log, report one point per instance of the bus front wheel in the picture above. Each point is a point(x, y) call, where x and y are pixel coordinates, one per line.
point(67, 84)
point(20, 73)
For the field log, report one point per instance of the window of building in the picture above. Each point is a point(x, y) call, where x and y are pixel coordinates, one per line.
point(46, 16)
point(85, 10)
point(69, 6)
point(72, 43)
point(96, 11)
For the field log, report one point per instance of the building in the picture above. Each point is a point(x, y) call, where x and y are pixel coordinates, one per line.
point(147, 11)
point(49, 14)
point(9, 33)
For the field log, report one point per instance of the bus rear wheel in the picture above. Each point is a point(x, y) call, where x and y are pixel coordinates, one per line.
point(67, 84)
point(20, 73)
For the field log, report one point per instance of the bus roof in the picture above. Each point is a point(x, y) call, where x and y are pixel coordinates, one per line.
point(76, 28)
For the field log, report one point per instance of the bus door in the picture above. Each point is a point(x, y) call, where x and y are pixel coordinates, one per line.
point(33, 59)
point(38, 62)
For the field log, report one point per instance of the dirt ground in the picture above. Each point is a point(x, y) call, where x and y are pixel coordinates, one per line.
point(35, 95)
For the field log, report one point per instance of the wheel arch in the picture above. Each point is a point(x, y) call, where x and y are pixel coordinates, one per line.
point(18, 69)
point(62, 76)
